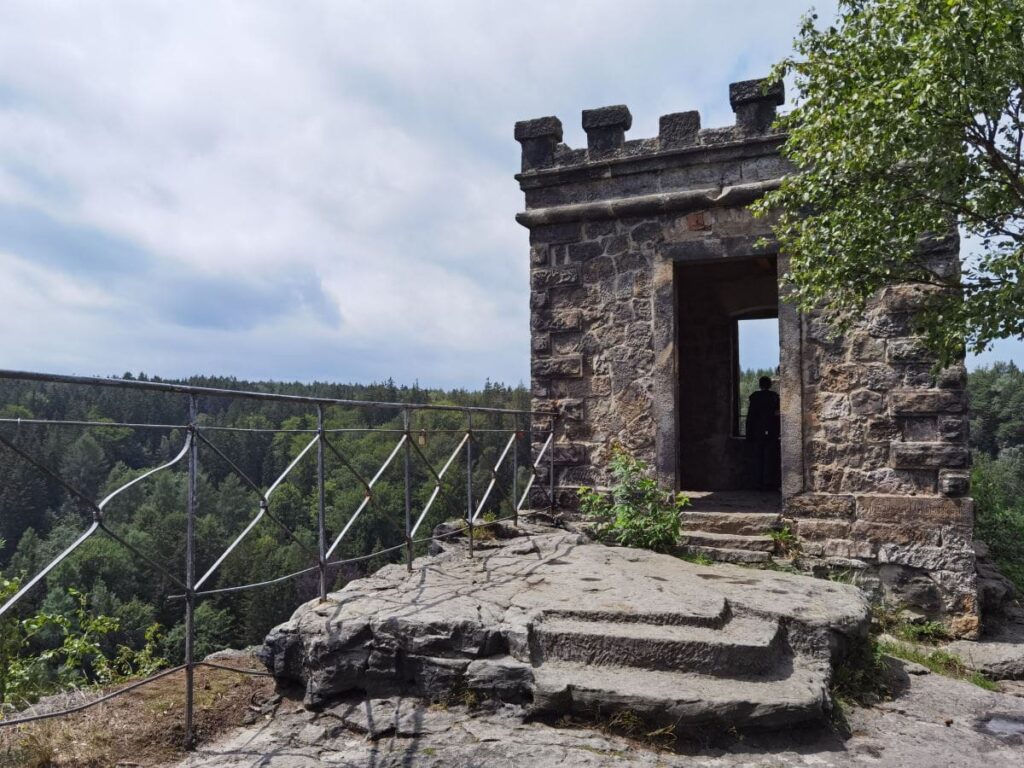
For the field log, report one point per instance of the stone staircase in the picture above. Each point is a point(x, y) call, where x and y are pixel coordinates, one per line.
point(731, 527)
point(555, 625)
point(669, 671)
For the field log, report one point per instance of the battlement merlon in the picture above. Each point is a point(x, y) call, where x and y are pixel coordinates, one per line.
point(753, 101)
point(684, 168)
point(539, 138)
point(606, 128)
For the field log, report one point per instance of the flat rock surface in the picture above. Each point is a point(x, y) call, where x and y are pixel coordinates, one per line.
point(556, 572)
point(934, 722)
point(999, 655)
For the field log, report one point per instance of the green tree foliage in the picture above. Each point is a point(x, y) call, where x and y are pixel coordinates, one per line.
point(997, 482)
point(997, 485)
point(997, 407)
point(908, 121)
point(215, 631)
point(635, 512)
point(74, 655)
point(84, 464)
point(24, 490)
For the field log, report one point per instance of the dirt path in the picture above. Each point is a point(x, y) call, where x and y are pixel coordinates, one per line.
point(143, 727)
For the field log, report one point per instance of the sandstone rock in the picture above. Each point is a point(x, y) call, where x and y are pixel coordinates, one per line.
point(560, 626)
point(1000, 653)
point(998, 660)
point(995, 591)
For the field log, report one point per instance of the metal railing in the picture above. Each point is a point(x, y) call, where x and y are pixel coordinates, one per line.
point(196, 437)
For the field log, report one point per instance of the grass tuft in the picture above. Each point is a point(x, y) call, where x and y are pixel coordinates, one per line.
point(697, 558)
point(628, 723)
point(940, 661)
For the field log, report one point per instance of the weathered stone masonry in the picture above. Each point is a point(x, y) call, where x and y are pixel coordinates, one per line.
point(642, 252)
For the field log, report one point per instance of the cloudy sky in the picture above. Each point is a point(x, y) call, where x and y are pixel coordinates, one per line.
point(313, 190)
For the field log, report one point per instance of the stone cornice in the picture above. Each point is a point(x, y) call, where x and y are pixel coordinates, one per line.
point(643, 160)
point(646, 205)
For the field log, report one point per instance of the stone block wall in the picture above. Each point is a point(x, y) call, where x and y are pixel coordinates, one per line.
point(874, 455)
point(886, 461)
point(591, 326)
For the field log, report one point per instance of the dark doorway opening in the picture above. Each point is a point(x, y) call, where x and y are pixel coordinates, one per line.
point(724, 311)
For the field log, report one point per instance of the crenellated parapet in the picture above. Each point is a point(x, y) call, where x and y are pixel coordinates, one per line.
point(753, 101)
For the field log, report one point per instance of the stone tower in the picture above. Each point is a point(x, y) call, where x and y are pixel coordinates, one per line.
point(644, 258)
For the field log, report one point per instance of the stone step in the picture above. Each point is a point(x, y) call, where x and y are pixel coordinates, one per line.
point(715, 619)
point(727, 541)
point(722, 555)
point(693, 704)
point(744, 646)
point(738, 523)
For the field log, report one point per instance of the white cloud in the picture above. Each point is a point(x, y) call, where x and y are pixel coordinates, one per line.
point(296, 155)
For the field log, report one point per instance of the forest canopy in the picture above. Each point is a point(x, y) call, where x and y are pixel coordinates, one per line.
point(38, 519)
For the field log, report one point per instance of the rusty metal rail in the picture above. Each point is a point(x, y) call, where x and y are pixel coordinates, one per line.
point(196, 438)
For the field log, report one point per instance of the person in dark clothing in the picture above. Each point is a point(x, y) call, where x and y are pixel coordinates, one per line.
point(763, 430)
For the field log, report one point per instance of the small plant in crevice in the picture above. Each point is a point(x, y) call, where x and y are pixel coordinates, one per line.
point(459, 694)
point(783, 567)
point(864, 677)
point(628, 723)
point(697, 558)
point(484, 530)
point(845, 576)
point(786, 542)
point(635, 512)
point(888, 619)
point(924, 632)
point(861, 679)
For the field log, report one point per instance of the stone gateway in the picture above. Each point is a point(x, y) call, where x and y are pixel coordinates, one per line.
point(644, 259)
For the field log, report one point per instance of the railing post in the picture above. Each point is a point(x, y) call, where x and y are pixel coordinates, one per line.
point(469, 478)
point(408, 489)
point(515, 471)
point(551, 465)
point(321, 522)
point(190, 571)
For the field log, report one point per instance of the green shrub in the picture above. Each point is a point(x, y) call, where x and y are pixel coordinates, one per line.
point(74, 659)
point(635, 512)
point(698, 558)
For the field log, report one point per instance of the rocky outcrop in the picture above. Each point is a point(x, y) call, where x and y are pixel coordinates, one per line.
point(561, 626)
point(996, 593)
